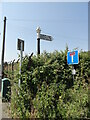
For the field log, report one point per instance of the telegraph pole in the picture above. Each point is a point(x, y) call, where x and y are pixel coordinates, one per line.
point(3, 50)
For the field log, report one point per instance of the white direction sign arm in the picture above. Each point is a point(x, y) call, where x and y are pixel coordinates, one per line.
point(46, 37)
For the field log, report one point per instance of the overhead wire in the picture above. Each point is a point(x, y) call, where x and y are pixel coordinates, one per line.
point(66, 20)
point(30, 20)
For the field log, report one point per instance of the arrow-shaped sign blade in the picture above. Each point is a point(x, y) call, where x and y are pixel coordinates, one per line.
point(46, 37)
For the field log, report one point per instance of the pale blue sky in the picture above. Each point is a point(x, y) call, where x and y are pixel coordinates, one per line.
point(65, 22)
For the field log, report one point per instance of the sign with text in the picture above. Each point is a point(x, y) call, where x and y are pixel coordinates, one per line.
point(20, 44)
point(73, 57)
point(45, 37)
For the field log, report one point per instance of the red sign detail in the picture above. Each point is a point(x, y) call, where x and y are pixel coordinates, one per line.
point(72, 53)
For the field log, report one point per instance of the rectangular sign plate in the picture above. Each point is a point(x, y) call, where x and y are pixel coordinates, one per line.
point(45, 37)
point(73, 57)
point(19, 44)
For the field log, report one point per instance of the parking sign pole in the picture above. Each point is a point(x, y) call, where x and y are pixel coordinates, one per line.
point(21, 56)
point(20, 46)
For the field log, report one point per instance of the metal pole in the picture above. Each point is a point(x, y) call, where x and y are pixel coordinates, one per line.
point(73, 73)
point(21, 55)
point(3, 49)
point(13, 69)
point(73, 78)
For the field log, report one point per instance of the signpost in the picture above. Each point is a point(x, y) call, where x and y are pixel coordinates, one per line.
point(19, 43)
point(20, 46)
point(43, 37)
point(72, 59)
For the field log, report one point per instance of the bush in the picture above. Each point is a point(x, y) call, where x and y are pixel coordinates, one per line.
point(48, 89)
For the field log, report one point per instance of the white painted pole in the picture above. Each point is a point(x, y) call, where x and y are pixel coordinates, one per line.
point(21, 56)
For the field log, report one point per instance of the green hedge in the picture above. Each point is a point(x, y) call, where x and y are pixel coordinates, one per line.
point(48, 89)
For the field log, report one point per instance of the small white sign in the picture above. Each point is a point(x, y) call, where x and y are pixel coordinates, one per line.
point(45, 37)
point(73, 72)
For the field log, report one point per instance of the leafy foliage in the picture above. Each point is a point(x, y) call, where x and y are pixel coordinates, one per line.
point(48, 89)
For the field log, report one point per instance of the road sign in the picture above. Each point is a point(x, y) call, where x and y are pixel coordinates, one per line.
point(73, 57)
point(19, 44)
point(45, 37)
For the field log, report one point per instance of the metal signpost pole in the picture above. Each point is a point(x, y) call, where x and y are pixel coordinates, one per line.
point(20, 46)
point(21, 56)
point(73, 78)
point(73, 72)
point(72, 59)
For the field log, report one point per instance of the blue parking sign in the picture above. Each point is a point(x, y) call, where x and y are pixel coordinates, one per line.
point(73, 57)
